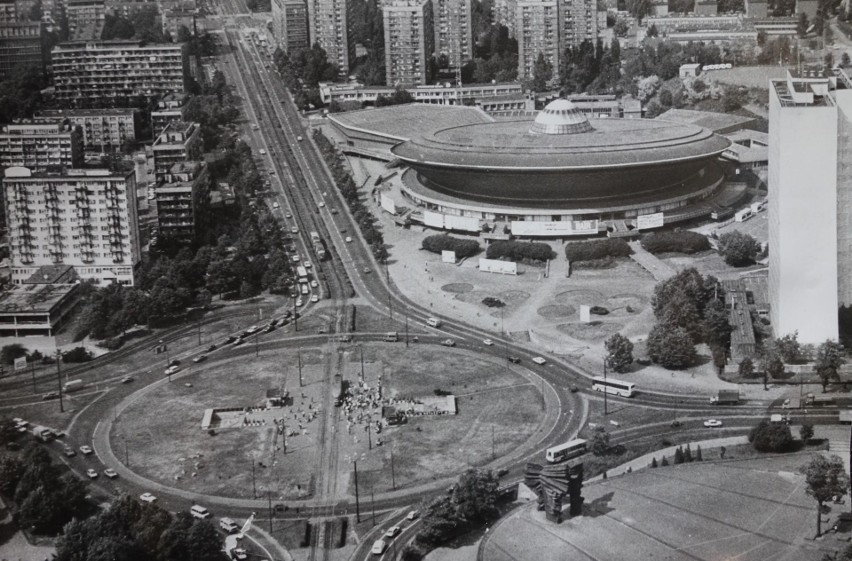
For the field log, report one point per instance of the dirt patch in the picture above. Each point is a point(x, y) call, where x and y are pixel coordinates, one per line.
point(582, 296)
point(458, 288)
point(513, 297)
point(594, 331)
point(620, 303)
point(556, 311)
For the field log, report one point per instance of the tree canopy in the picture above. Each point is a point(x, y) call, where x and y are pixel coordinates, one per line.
point(619, 353)
point(825, 478)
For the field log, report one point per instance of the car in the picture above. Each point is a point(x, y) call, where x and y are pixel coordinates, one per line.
point(712, 423)
point(513, 359)
point(127, 379)
point(367, 270)
point(50, 395)
point(199, 358)
point(501, 472)
point(211, 348)
point(252, 330)
point(300, 302)
point(175, 362)
point(228, 525)
point(230, 339)
point(86, 450)
point(299, 138)
point(334, 211)
point(344, 338)
point(321, 204)
point(172, 370)
point(348, 239)
point(288, 215)
point(239, 554)
point(539, 360)
point(198, 511)
point(254, 126)
point(487, 342)
point(314, 298)
point(307, 264)
point(20, 423)
point(109, 472)
point(314, 284)
point(294, 230)
point(295, 259)
point(378, 547)
point(412, 515)
point(272, 172)
point(448, 343)
point(68, 451)
point(392, 532)
point(262, 152)
point(92, 473)
point(276, 205)
point(147, 498)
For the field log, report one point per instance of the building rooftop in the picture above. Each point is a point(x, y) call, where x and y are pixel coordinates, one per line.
point(708, 119)
point(560, 117)
point(403, 121)
point(53, 274)
point(84, 112)
point(33, 298)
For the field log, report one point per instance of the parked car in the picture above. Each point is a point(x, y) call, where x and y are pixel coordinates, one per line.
point(487, 342)
point(147, 498)
point(109, 472)
point(68, 451)
point(514, 359)
point(50, 395)
point(539, 360)
point(412, 515)
point(172, 370)
point(712, 423)
point(86, 450)
point(199, 358)
point(92, 473)
point(448, 343)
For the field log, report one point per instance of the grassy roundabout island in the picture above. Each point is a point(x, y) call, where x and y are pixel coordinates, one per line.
point(494, 407)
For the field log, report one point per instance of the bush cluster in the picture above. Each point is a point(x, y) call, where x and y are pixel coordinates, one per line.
point(346, 185)
point(678, 241)
point(593, 250)
point(443, 242)
point(771, 437)
point(519, 251)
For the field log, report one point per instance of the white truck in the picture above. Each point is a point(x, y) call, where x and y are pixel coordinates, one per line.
point(43, 434)
point(72, 386)
point(726, 397)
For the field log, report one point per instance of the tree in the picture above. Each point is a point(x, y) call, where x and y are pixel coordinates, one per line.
point(773, 366)
point(825, 478)
point(671, 347)
point(771, 437)
point(654, 462)
point(475, 496)
point(10, 352)
point(738, 249)
point(844, 60)
point(619, 353)
point(802, 25)
point(698, 456)
point(639, 8)
point(806, 432)
point(621, 27)
point(600, 441)
point(678, 456)
point(542, 74)
point(652, 31)
point(746, 368)
point(828, 360)
point(664, 462)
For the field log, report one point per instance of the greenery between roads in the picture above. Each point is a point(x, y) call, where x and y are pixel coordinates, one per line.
point(767, 436)
point(443, 242)
point(593, 250)
point(519, 251)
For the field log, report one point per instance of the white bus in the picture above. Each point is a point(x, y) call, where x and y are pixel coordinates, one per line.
point(624, 389)
point(566, 451)
point(301, 272)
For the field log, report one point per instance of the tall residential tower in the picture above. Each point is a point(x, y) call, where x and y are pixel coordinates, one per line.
point(328, 26)
point(453, 31)
point(409, 41)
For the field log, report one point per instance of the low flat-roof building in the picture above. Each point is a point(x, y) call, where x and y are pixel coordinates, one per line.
point(178, 142)
point(749, 149)
point(170, 109)
point(36, 310)
point(721, 123)
point(183, 201)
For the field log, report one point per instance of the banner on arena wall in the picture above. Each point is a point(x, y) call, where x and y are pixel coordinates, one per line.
point(497, 266)
point(563, 228)
point(388, 204)
point(448, 256)
point(463, 223)
point(645, 221)
point(20, 363)
point(433, 219)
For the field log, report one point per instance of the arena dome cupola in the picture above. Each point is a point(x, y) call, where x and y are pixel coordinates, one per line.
point(560, 117)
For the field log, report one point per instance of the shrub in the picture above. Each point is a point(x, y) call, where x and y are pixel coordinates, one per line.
point(443, 242)
point(519, 251)
point(738, 249)
point(654, 462)
point(671, 347)
point(698, 456)
point(665, 462)
point(678, 456)
point(746, 369)
point(306, 537)
point(678, 241)
point(598, 310)
point(771, 437)
point(77, 354)
point(592, 250)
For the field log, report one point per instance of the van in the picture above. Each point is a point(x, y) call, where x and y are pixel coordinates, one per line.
point(304, 289)
point(539, 360)
point(228, 525)
point(378, 547)
point(743, 215)
point(262, 152)
point(198, 511)
point(391, 337)
point(434, 322)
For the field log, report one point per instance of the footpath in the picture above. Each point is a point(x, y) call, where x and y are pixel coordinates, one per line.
point(659, 269)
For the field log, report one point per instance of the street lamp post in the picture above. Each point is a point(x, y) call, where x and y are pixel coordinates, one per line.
point(606, 412)
point(59, 380)
point(299, 357)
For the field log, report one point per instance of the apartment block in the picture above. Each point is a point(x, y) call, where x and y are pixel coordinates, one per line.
point(328, 26)
point(86, 218)
point(103, 130)
point(409, 41)
point(290, 24)
point(453, 32)
point(21, 43)
point(113, 73)
point(537, 31)
point(503, 12)
point(178, 142)
point(578, 22)
point(85, 19)
point(170, 109)
point(8, 12)
point(174, 19)
point(810, 204)
point(41, 146)
point(183, 200)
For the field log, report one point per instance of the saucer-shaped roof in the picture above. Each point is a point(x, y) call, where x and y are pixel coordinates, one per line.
point(560, 117)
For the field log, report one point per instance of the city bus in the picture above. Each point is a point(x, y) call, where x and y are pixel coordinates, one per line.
point(609, 385)
point(566, 451)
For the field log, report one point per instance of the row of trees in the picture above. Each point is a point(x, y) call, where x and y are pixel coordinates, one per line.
point(442, 242)
point(594, 250)
point(675, 241)
point(45, 496)
point(519, 251)
point(302, 71)
point(828, 357)
point(343, 179)
point(690, 309)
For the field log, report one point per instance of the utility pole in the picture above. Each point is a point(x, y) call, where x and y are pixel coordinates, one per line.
point(269, 499)
point(295, 313)
point(299, 356)
point(357, 503)
point(59, 380)
point(362, 361)
point(256, 335)
point(393, 474)
point(605, 390)
point(406, 327)
point(199, 331)
point(126, 456)
point(253, 486)
point(370, 433)
point(373, 503)
point(32, 371)
point(492, 442)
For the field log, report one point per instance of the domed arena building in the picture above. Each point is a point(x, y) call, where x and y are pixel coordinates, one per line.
point(558, 174)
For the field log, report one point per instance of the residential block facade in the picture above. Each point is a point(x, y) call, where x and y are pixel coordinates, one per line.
point(103, 130)
point(409, 41)
point(290, 24)
point(41, 146)
point(328, 26)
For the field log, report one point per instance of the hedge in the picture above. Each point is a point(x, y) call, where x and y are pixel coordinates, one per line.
point(597, 249)
point(443, 242)
point(678, 241)
point(519, 251)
